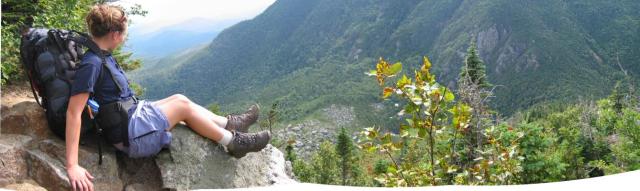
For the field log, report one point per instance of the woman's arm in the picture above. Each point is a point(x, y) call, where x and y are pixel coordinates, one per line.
point(79, 178)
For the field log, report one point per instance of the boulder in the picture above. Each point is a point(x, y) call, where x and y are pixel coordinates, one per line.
point(289, 169)
point(14, 168)
point(195, 162)
point(30, 152)
point(25, 118)
point(25, 185)
point(43, 162)
point(48, 166)
point(139, 174)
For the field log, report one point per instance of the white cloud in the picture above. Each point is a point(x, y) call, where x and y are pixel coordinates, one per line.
point(164, 13)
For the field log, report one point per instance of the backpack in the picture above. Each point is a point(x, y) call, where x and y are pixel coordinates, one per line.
point(50, 59)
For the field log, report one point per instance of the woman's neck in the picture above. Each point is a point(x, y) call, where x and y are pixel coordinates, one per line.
point(103, 43)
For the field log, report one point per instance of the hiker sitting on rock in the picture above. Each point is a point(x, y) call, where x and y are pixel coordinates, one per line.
point(147, 129)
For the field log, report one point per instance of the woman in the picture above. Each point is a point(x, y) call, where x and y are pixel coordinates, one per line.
point(147, 129)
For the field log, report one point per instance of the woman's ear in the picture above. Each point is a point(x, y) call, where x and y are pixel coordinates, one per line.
point(114, 35)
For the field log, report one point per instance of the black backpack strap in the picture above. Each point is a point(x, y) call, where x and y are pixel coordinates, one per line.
point(86, 41)
point(112, 71)
point(23, 41)
point(33, 89)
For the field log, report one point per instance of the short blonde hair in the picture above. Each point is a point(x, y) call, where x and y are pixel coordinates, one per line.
point(103, 19)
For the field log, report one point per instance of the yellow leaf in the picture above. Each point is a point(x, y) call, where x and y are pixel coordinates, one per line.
point(403, 81)
point(387, 92)
point(382, 68)
point(380, 79)
point(394, 69)
point(426, 64)
point(419, 80)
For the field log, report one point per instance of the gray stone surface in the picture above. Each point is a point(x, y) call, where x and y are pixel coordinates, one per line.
point(25, 118)
point(14, 167)
point(30, 152)
point(44, 162)
point(139, 174)
point(194, 162)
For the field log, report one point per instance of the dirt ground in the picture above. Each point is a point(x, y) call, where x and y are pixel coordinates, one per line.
point(16, 93)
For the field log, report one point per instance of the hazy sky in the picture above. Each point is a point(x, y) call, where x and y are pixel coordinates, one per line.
point(163, 13)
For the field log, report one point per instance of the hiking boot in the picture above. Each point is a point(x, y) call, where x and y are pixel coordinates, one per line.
point(242, 122)
point(242, 143)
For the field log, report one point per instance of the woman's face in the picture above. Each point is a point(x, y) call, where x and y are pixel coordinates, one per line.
point(122, 36)
point(118, 37)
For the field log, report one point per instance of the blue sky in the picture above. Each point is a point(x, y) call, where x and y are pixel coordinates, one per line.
point(219, 13)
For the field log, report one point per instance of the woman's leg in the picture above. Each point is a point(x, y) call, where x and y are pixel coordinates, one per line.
point(218, 120)
point(179, 108)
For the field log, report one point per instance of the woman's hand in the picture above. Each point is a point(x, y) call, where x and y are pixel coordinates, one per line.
point(79, 178)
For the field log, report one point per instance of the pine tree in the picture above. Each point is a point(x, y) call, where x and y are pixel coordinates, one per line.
point(380, 166)
point(617, 98)
point(474, 71)
point(290, 156)
point(344, 149)
point(474, 90)
point(325, 164)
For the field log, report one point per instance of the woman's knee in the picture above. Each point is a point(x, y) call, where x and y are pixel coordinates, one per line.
point(177, 110)
point(183, 103)
point(179, 97)
point(171, 99)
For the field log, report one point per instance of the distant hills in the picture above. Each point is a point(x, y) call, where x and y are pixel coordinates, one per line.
point(168, 42)
point(309, 54)
point(173, 39)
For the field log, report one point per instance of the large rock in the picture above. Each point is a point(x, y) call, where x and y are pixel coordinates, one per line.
point(48, 162)
point(30, 152)
point(44, 162)
point(139, 174)
point(26, 118)
point(195, 162)
point(14, 167)
point(26, 185)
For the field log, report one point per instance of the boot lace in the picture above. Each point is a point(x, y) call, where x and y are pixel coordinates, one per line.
point(246, 139)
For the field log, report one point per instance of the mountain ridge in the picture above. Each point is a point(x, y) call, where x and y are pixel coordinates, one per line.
point(309, 54)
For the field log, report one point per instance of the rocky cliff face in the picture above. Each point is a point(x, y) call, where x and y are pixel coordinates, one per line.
point(31, 154)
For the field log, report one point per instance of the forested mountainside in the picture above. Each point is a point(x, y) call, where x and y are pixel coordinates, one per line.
point(308, 54)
